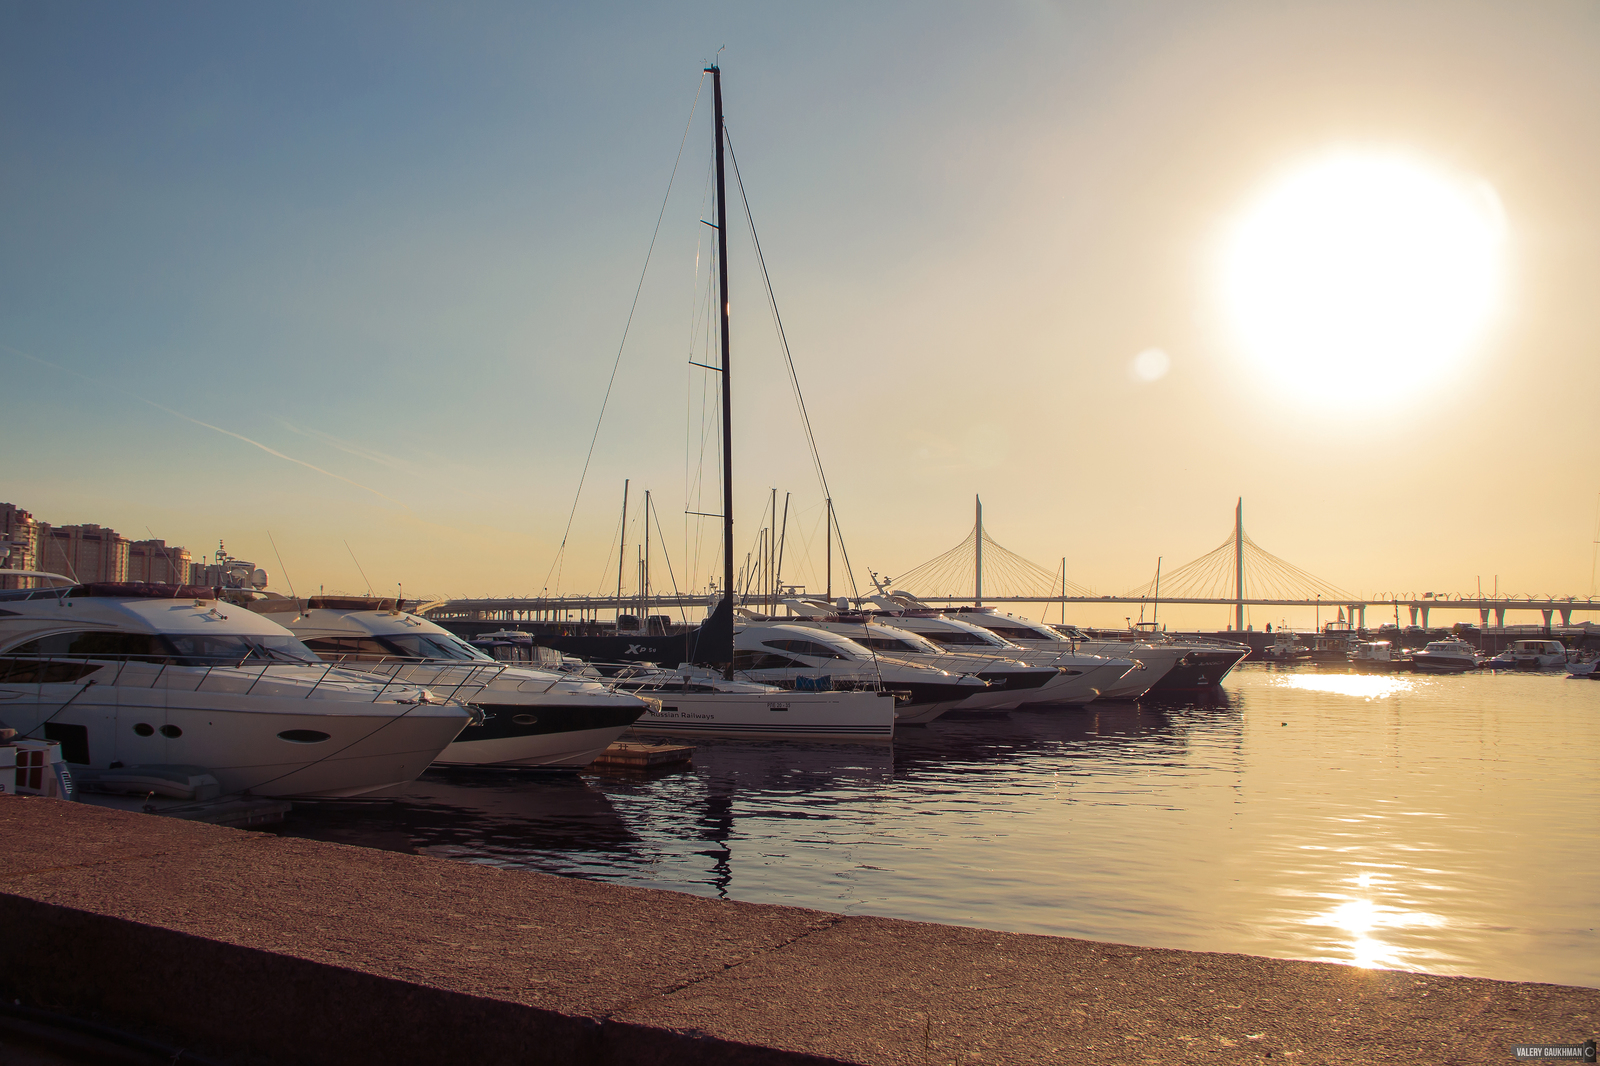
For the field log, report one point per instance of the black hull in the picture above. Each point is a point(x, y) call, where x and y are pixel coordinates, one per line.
point(500, 720)
point(1198, 671)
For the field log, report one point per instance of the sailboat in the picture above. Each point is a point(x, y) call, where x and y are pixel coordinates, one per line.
point(697, 701)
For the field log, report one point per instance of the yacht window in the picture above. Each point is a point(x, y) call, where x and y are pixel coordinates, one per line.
point(204, 649)
point(355, 649)
point(763, 660)
point(120, 645)
point(957, 636)
point(434, 646)
point(917, 647)
point(805, 647)
point(1018, 633)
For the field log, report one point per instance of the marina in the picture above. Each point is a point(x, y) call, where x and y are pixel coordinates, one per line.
point(795, 753)
point(1296, 813)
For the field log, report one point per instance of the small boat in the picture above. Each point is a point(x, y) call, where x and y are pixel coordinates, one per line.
point(1446, 657)
point(1377, 656)
point(1530, 655)
point(1285, 648)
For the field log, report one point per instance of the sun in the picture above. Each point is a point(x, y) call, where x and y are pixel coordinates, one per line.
point(1364, 276)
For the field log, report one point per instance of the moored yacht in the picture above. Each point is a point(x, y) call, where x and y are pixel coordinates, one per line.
point(1446, 657)
point(1530, 655)
point(1084, 677)
point(127, 675)
point(532, 717)
point(798, 657)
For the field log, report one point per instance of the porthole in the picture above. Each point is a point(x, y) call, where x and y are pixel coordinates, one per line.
point(145, 729)
point(303, 736)
point(524, 719)
point(171, 732)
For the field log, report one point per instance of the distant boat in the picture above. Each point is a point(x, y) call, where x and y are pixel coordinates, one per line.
point(1530, 655)
point(1377, 656)
point(1446, 657)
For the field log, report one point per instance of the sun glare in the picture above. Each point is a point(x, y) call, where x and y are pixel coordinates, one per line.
point(1364, 276)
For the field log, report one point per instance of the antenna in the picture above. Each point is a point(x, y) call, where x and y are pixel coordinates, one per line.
point(284, 570)
point(353, 559)
point(172, 566)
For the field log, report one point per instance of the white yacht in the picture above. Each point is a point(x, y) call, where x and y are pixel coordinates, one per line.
point(1010, 681)
point(797, 657)
point(1530, 655)
point(1083, 677)
point(127, 675)
point(1446, 657)
point(1377, 656)
point(531, 717)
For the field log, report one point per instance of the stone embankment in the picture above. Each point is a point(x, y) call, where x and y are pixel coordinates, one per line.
point(249, 948)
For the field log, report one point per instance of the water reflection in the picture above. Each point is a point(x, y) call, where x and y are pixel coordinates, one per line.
point(1358, 686)
point(1431, 823)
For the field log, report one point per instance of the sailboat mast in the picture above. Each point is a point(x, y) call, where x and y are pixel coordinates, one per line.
point(830, 550)
point(622, 551)
point(727, 390)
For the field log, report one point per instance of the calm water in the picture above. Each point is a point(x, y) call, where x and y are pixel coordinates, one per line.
point(1433, 823)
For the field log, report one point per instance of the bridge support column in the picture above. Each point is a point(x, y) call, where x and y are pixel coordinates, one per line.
point(1424, 618)
point(1413, 611)
point(1566, 617)
point(1483, 617)
point(1547, 615)
point(1500, 617)
point(1363, 609)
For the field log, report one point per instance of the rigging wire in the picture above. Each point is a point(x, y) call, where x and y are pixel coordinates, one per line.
point(783, 340)
point(622, 345)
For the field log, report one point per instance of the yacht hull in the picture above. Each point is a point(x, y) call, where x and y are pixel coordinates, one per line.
point(556, 736)
point(836, 716)
point(349, 749)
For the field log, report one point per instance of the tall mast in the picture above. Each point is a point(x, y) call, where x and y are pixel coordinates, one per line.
point(831, 549)
point(644, 577)
point(727, 390)
point(1238, 558)
point(622, 551)
point(977, 588)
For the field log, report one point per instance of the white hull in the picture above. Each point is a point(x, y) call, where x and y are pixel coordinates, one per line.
point(857, 716)
point(350, 747)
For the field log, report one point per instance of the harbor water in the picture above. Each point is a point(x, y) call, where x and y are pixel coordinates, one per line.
point(1443, 824)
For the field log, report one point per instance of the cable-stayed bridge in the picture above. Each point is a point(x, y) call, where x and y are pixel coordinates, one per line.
point(1238, 573)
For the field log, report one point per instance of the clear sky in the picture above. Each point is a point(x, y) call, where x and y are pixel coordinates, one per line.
point(398, 244)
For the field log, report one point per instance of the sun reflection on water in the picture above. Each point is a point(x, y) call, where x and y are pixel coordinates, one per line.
point(1356, 686)
point(1357, 917)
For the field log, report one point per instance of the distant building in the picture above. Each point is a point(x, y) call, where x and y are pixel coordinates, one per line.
point(19, 544)
point(153, 560)
point(84, 553)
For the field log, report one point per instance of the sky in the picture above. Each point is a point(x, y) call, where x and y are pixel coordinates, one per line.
point(344, 287)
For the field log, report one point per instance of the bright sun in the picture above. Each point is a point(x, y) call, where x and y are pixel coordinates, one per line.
point(1362, 276)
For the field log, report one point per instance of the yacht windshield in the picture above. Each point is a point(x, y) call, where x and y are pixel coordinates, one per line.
point(183, 649)
point(207, 648)
point(434, 646)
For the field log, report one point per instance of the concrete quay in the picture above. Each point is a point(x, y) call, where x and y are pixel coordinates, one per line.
point(248, 949)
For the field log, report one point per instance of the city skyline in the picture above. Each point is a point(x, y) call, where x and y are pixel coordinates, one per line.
point(358, 279)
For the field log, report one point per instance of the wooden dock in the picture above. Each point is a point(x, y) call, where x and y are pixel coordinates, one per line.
point(631, 755)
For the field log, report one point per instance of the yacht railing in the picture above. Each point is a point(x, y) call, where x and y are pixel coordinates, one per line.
point(13, 665)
